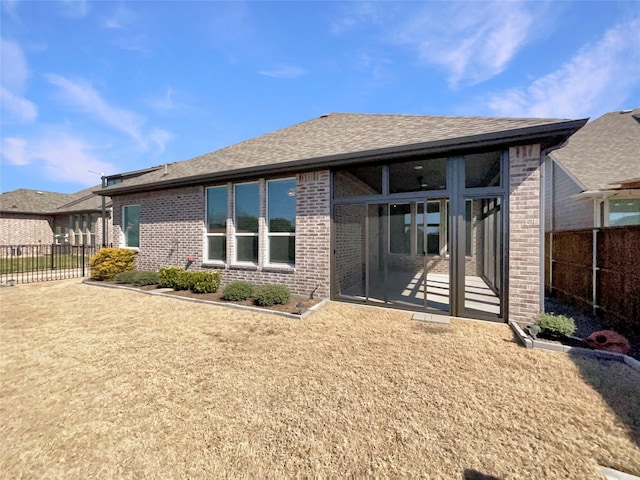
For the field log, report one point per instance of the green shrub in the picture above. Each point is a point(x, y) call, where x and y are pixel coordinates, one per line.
point(556, 325)
point(137, 278)
point(168, 276)
point(201, 281)
point(268, 295)
point(108, 262)
point(236, 291)
point(204, 281)
point(125, 277)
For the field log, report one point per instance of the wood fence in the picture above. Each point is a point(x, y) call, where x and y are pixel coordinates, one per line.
point(611, 290)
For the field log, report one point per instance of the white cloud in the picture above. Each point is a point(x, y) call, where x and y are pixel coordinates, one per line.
point(472, 44)
point(13, 149)
point(160, 138)
point(82, 96)
point(14, 74)
point(74, 8)
point(598, 78)
point(164, 103)
point(16, 108)
point(62, 157)
point(284, 71)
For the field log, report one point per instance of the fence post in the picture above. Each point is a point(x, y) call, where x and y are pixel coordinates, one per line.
point(83, 253)
point(53, 253)
point(594, 264)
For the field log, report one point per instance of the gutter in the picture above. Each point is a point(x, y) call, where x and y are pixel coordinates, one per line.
point(454, 145)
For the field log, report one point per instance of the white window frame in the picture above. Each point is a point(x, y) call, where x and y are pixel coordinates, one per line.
point(235, 224)
point(278, 234)
point(123, 235)
point(208, 260)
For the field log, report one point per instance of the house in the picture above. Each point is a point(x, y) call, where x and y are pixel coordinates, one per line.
point(31, 217)
point(594, 180)
point(426, 213)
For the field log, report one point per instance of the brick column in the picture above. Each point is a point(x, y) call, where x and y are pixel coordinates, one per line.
point(524, 233)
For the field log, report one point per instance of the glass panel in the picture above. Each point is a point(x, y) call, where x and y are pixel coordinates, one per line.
point(246, 206)
point(217, 209)
point(247, 249)
point(624, 212)
point(482, 170)
point(483, 279)
point(420, 229)
point(400, 228)
point(418, 175)
point(349, 222)
point(131, 226)
point(282, 249)
point(468, 227)
point(355, 181)
point(217, 248)
point(433, 228)
point(281, 201)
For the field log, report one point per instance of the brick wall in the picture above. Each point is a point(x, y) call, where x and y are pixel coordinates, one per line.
point(172, 228)
point(25, 229)
point(524, 233)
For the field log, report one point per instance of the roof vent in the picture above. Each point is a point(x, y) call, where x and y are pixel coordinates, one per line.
point(40, 193)
point(166, 169)
point(325, 115)
point(626, 111)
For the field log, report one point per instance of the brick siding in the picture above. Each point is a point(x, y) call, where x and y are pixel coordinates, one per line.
point(25, 229)
point(524, 233)
point(172, 229)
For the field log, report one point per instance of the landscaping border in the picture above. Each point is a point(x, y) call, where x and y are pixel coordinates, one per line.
point(161, 292)
point(530, 342)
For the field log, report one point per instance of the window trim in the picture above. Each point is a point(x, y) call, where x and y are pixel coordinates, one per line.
point(123, 234)
point(236, 234)
point(269, 234)
point(215, 261)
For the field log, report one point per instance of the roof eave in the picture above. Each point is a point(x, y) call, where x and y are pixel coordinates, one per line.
point(549, 135)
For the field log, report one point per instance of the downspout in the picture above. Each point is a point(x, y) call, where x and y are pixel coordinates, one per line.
point(594, 257)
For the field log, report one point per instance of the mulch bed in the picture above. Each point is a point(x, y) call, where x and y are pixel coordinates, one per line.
point(296, 304)
point(585, 325)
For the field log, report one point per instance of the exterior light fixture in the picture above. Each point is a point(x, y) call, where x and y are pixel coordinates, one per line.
point(292, 192)
point(418, 167)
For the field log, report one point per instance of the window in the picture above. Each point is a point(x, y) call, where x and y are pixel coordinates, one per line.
point(400, 228)
point(217, 223)
point(482, 170)
point(281, 221)
point(246, 199)
point(624, 212)
point(131, 225)
point(418, 175)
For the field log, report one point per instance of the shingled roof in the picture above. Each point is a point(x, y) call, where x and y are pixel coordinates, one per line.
point(605, 151)
point(24, 200)
point(27, 201)
point(344, 137)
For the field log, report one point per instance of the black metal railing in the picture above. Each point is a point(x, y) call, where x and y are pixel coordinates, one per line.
point(37, 263)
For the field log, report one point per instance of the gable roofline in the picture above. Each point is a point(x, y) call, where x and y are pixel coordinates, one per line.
point(550, 135)
point(568, 172)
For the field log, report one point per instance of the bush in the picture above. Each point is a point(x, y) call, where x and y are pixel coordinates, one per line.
point(236, 291)
point(168, 276)
point(108, 262)
point(268, 295)
point(556, 325)
point(137, 278)
point(204, 281)
point(197, 281)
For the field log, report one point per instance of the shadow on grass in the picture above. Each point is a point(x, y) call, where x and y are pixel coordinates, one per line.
point(619, 386)
point(470, 474)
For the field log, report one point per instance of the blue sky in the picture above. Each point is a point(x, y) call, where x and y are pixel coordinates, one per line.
point(118, 86)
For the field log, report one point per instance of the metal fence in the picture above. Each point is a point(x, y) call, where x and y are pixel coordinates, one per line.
point(37, 263)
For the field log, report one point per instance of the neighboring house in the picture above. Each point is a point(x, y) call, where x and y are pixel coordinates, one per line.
point(29, 217)
point(594, 180)
point(435, 214)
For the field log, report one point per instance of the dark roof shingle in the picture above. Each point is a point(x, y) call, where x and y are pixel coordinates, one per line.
point(329, 136)
point(604, 151)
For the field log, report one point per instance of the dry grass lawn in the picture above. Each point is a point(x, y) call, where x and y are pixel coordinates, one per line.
point(104, 383)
